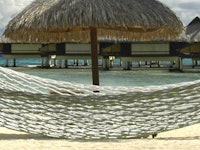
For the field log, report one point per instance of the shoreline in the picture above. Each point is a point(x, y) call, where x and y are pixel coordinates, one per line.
point(186, 68)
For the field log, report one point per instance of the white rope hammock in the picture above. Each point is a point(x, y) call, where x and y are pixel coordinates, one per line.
point(76, 111)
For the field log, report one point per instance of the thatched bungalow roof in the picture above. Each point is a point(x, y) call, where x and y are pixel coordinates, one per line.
point(71, 20)
point(4, 39)
point(193, 30)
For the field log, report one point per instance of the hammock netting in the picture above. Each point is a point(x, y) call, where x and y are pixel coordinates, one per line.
point(76, 111)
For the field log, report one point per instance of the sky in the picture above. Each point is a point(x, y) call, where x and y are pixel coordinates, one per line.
point(186, 10)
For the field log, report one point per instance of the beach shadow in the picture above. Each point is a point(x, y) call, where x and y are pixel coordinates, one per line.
point(42, 137)
point(178, 138)
point(23, 136)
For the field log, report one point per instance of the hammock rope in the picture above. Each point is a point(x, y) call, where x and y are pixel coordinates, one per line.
point(74, 111)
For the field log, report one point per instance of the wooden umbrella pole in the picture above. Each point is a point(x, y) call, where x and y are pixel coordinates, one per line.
point(94, 55)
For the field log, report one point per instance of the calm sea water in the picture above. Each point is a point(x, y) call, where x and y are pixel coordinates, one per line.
point(115, 78)
point(133, 77)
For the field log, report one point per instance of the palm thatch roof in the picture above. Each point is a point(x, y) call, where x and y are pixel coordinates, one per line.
point(4, 39)
point(193, 30)
point(71, 20)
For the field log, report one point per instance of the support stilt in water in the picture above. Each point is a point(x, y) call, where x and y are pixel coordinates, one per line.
point(55, 62)
point(127, 65)
point(47, 62)
point(180, 64)
point(85, 62)
point(106, 63)
point(7, 61)
point(59, 63)
point(14, 62)
point(66, 63)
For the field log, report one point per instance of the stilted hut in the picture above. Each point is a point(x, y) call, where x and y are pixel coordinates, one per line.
point(90, 21)
point(193, 30)
point(192, 49)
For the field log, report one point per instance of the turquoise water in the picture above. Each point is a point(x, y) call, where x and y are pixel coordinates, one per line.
point(134, 77)
point(114, 78)
point(21, 62)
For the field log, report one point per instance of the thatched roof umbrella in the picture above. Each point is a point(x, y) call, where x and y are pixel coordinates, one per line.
point(89, 20)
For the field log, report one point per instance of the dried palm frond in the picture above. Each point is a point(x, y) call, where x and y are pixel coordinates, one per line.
point(70, 20)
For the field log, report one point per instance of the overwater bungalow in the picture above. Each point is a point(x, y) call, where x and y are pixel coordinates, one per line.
point(192, 48)
point(13, 51)
point(126, 52)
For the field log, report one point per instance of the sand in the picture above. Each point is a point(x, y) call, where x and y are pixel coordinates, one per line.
point(182, 139)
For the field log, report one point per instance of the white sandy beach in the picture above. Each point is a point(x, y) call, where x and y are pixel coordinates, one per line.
point(182, 139)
